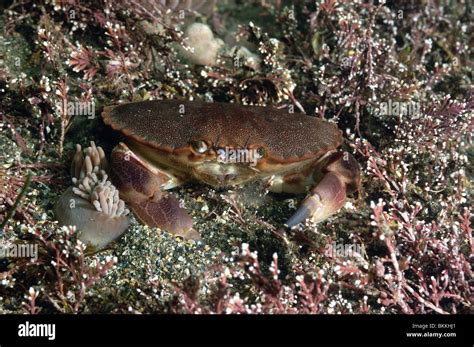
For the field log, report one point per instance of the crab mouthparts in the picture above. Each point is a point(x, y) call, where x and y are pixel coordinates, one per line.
point(227, 179)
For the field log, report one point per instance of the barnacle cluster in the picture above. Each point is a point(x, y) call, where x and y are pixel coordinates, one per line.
point(92, 204)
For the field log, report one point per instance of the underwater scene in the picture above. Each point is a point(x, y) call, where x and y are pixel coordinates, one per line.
point(230, 157)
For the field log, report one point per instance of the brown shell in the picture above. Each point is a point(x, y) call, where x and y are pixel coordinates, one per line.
point(173, 124)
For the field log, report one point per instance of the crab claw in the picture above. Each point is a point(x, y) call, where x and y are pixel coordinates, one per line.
point(140, 187)
point(328, 197)
point(341, 176)
point(166, 214)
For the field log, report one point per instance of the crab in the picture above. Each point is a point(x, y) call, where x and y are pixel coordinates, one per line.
point(167, 143)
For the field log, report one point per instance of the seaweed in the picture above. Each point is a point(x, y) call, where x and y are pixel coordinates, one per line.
point(396, 78)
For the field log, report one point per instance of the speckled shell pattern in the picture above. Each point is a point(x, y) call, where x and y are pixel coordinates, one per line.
point(171, 125)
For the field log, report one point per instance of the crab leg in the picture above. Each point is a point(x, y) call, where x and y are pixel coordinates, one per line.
point(341, 176)
point(142, 187)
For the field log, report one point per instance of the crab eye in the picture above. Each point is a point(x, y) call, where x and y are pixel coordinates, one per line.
point(261, 152)
point(200, 146)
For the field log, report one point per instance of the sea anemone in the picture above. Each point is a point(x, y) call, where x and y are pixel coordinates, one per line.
point(92, 204)
point(92, 160)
